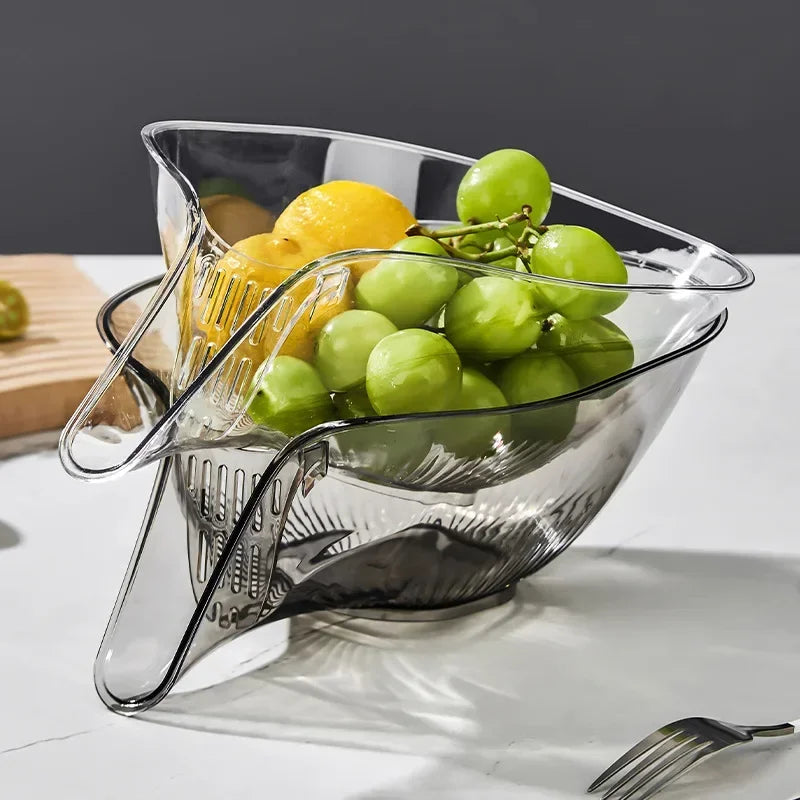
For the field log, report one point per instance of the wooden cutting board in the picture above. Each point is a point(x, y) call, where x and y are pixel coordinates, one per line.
point(45, 374)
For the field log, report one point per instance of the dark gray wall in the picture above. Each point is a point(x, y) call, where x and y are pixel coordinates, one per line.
point(686, 111)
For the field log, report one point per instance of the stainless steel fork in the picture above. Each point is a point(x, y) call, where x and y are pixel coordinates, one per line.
point(672, 751)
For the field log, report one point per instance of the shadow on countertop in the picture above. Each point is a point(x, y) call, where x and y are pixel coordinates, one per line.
point(546, 691)
point(9, 537)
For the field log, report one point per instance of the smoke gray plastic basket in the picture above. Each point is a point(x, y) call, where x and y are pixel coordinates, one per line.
point(380, 517)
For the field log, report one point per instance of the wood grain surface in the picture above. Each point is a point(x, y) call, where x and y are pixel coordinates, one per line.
point(47, 372)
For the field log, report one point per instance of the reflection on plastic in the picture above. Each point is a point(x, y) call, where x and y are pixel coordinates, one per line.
point(537, 685)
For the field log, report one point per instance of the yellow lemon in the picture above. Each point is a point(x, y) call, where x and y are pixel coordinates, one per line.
point(339, 215)
point(345, 215)
point(268, 258)
point(241, 280)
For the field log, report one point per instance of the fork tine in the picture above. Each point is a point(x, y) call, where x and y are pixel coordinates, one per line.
point(661, 769)
point(655, 759)
point(639, 749)
point(697, 756)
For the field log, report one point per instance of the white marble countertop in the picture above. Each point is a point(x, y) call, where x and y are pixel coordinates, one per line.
point(720, 478)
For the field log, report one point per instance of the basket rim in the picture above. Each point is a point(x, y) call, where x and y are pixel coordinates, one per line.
point(151, 132)
point(705, 335)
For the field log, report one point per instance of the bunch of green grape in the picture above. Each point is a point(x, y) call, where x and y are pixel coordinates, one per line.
point(426, 336)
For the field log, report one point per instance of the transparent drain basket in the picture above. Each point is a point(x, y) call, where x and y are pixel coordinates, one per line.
point(379, 517)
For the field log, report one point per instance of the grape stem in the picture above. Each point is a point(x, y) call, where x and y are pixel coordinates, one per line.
point(483, 258)
point(463, 230)
point(520, 247)
point(497, 255)
point(454, 251)
point(529, 233)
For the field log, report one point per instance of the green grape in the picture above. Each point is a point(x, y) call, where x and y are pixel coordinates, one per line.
point(536, 376)
point(492, 317)
point(413, 371)
point(291, 397)
point(477, 391)
point(344, 345)
point(540, 298)
point(490, 369)
point(423, 245)
point(353, 404)
point(408, 292)
point(579, 254)
point(500, 183)
point(595, 349)
point(474, 436)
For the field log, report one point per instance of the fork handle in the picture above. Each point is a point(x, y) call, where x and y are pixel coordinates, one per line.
point(785, 729)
